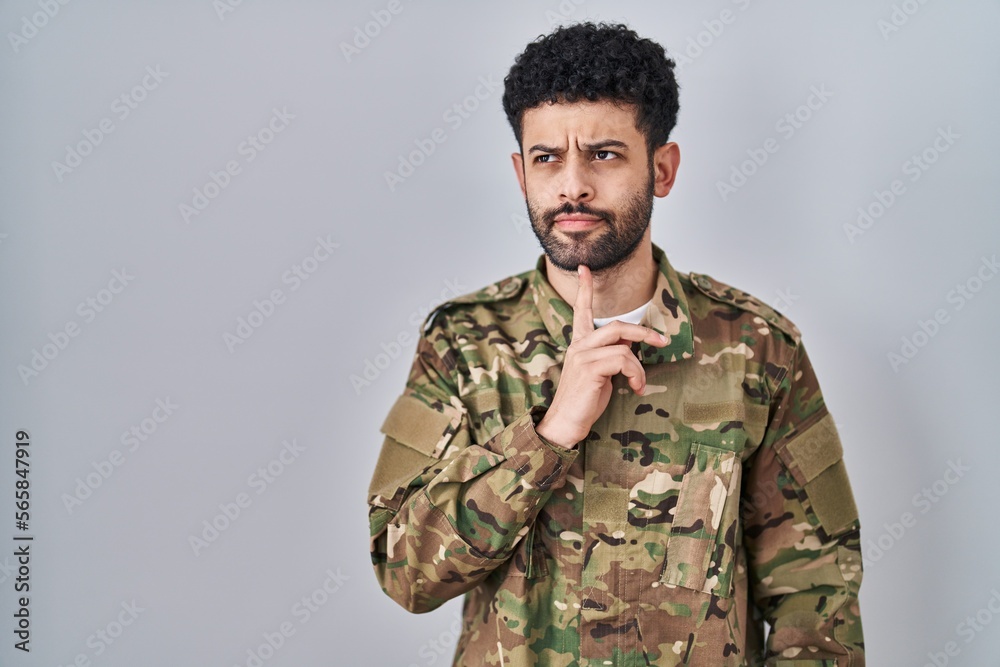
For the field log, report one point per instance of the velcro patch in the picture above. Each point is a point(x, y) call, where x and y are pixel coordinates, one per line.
point(416, 425)
point(816, 449)
point(832, 499)
point(397, 466)
point(724, 411)
point(605, 505)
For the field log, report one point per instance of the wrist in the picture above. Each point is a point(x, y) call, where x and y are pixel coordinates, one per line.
point(548, 428)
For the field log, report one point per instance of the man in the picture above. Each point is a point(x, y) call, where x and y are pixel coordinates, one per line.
point(642, 478)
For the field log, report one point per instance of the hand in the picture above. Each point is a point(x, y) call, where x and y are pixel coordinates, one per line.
point(592, 359)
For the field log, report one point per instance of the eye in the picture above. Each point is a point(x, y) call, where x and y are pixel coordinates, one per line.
point(603, 156)
point(541, 159)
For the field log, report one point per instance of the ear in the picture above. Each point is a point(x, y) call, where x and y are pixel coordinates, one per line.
point(519, 171)
point(666, 160)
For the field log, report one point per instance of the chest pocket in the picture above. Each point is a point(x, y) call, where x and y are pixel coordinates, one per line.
point(705, 531)
point(701, 544)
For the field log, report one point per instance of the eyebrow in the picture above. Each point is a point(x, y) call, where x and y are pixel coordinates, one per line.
point(596, 146)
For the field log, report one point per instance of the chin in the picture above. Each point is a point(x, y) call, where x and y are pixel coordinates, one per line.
point(569, 261)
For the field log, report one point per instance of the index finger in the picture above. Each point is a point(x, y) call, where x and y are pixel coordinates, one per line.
point(583, 307)
point(619, 332)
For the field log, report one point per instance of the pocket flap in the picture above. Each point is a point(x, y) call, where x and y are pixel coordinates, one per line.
point(814, 450)
point(419, 426)
point(751, 415)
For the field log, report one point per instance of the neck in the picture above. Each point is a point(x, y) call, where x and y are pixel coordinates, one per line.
point(617, 289)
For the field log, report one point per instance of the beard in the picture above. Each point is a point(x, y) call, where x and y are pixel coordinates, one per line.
point(620, 237)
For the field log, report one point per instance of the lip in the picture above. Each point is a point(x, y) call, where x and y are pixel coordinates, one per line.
point(576, 221)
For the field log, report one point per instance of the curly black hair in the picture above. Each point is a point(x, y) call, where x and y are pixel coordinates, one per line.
point(595, 62)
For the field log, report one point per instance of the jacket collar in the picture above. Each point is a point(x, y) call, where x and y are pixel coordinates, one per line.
point(670, 314)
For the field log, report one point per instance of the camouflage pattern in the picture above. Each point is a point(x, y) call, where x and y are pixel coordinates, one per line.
point(685, 519)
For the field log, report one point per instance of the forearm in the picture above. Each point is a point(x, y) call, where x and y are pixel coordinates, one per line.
point(459, 523)
point(811, 603)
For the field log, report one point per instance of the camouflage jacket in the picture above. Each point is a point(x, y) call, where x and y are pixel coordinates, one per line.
point(686, 518)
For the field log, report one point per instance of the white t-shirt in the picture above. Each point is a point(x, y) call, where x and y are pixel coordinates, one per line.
point(632, 317)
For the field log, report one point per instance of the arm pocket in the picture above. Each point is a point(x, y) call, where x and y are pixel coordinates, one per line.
point(423, 427)
point(815, 459)
point(417, 436)
point(704, 531)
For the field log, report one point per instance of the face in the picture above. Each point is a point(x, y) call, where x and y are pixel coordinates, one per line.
point(588, 181)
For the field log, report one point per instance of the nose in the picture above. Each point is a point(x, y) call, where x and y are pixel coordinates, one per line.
point(576, 184)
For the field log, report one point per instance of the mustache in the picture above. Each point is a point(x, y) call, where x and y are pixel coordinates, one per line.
point(582, 209)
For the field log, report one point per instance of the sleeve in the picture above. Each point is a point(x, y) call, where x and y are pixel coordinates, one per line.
point(802, 530)
point(445, 510)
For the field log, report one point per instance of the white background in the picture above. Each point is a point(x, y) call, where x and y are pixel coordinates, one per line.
point(457, 223)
